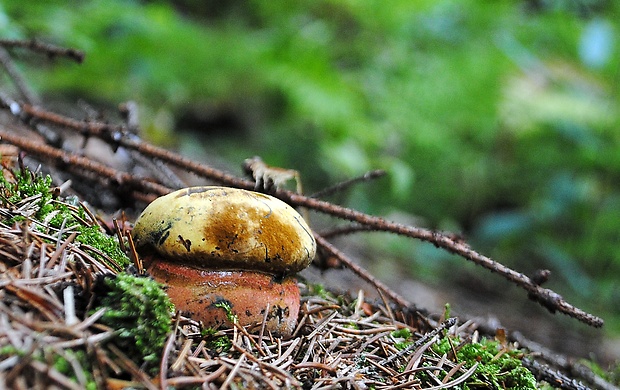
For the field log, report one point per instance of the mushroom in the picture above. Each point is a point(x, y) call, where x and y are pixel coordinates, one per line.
point(226, 251)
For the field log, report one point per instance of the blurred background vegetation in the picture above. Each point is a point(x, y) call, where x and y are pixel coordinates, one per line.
point(498, 120)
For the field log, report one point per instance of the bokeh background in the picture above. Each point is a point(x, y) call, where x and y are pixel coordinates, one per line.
point(498, 120)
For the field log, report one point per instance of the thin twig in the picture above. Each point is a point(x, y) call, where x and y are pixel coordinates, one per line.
point(15, 75)
point(361, 272)
point(233, 372)
point(348, 229)
point(131, 367)
point(553, 377)
point(74, 161)
point(575, 368)
point(546, 297)
point(117, 135)
point(370, 175)
point(427, 336)
point(163, 366)
point(48, 49)
point(54, 375)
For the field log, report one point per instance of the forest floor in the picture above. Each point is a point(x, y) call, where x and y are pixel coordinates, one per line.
point(76, 309)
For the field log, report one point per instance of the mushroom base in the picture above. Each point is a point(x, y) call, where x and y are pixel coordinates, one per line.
point(205, 294)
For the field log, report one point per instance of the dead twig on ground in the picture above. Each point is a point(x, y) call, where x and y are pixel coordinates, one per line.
point(61, 158)
point(119, 136)
point(361, 272)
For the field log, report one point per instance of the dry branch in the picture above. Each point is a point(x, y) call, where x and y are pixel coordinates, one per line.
point(45, 48)
point(71, 161)
point(117, 135)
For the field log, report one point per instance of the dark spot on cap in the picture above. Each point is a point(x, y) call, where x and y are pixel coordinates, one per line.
point(186, 243)
point(156, 236)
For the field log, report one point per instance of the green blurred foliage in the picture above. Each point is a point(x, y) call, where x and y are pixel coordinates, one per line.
point(496, 119)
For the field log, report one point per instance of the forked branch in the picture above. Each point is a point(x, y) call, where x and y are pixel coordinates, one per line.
point(120, 136)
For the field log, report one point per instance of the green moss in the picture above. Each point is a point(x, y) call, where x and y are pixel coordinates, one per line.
point(63, 365)
point(232, 318)
point(26, 184)
point(447, 310)
point(216, 341)
point(403, 338)
point(403, 333)
point(140, 312)
point(60, 363)
point(9, 350)
point(57, 213)
point(93, 236)
point(495, 370)
point(208, 332)
point(219, 344)
point(319, 290)
point(402, 345)
point(138, 308)
point(613, 374)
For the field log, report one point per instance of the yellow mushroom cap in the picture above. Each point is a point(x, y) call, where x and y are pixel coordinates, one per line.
point(226, 228)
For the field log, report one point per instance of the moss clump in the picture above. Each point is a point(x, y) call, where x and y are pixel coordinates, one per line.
point(403, 333)
point(26, 184)
point(402, 338)
point(320, 290)
point(140, 311)
point(498, 368)
point(215, 341)
point(54, 213)
point(93, 236)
